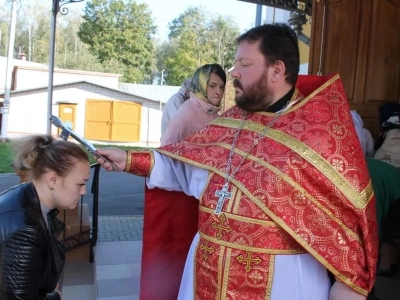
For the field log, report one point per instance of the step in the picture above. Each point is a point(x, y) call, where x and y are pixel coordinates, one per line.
point(79, 281)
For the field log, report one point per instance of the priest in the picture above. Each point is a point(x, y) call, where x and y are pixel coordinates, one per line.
point(284, 194)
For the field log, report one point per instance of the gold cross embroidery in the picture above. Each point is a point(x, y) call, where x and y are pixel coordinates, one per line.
point(206, 250)
point(220, 226)
point(248, 260)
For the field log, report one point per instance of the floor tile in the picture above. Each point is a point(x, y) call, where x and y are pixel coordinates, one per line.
point(135, 268)
point(118, 257)
point(118, 287)
point(131, 245)
point(113, 272)
point(81, 292)
point(102, 247)
point(79, 273)
point(134, 297)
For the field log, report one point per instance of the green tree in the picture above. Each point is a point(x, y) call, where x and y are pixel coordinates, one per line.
point(197, 38)
point(224, 32)
point(118, 30)
point(5, 18)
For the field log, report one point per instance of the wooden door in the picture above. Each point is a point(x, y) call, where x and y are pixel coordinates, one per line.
point(67, 112)
point(98, 120)
point(360, 40)
point(117, 121)
point(125, 124)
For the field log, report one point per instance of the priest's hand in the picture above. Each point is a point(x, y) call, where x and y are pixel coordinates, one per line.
point(341, 291)
point(116, 155)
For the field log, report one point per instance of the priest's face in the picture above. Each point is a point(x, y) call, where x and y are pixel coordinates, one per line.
point(250, 75)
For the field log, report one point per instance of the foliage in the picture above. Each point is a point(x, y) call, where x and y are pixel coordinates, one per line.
point(122, 39)
point(6, 158)
point(198, 38)
point(121, 31)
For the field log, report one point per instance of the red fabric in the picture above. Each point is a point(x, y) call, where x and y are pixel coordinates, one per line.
point(329, 153)
point(309, 83)
point(170, 223)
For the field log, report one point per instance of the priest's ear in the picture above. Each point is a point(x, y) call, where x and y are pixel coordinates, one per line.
point(277, 71)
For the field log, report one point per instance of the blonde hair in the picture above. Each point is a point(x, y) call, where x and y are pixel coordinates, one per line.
point(41, 153)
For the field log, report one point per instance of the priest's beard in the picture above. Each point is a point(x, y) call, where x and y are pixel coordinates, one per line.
point(257, 97)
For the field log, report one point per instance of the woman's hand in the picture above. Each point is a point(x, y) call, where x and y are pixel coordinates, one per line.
point(118, 156)
point(341, 291)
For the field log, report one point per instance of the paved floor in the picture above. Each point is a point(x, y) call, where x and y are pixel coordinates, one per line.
point(115, 275)
point(120, 228)
point(117, 272)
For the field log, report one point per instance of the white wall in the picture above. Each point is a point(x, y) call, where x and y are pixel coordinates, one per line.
point(28, 110)
point(34, 75)
point(150, 91)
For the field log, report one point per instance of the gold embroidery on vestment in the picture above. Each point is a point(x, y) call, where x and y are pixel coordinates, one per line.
point(221, 227)
point(234, 200)
point(247, 261)
point(270, 276)
point(220, 272)
point(290, 181)
point(226, 264)
point(194, 269)
point(235, 209)
point(206, 250)
point(241, 218)
point(317, 91)
point(249, 248)
point(128, 161)
point(358, 199)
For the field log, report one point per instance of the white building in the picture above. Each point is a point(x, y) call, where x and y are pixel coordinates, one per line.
point(90, 100)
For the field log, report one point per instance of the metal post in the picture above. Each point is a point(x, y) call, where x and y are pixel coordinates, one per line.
point(58, 6)
point(258, 14)
point(55, 10)
point(7, 92)
point(162, 89)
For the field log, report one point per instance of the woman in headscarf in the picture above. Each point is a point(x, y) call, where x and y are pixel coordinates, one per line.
point(173, 104)
point(203, 106)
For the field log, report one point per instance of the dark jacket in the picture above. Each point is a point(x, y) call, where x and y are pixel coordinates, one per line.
point(31, 258)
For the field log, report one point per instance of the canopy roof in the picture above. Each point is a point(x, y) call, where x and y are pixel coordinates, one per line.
point(303, 6)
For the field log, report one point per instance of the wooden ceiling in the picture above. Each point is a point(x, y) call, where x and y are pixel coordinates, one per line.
point(303, 6)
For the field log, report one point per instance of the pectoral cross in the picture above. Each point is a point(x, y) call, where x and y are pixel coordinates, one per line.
point(223, 195)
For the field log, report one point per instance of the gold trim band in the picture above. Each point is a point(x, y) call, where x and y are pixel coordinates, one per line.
point(247, 248)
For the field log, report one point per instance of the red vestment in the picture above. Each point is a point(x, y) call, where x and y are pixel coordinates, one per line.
point(307, 178)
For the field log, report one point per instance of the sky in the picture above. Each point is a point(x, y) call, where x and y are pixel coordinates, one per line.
point(164, 11)
point(244, 14)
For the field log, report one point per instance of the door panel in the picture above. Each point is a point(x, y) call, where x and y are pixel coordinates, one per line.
point(113, 121)
point(98, 120)
point(383, 72)
point(126, 122)
point(338, 54)
point(67, 112)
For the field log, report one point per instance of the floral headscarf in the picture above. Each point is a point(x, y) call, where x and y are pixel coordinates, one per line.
point(200, 80)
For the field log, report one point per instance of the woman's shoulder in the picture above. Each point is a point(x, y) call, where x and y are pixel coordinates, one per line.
point(18, 223)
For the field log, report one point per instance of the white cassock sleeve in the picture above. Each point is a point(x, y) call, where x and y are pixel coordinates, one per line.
point(173, 175)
